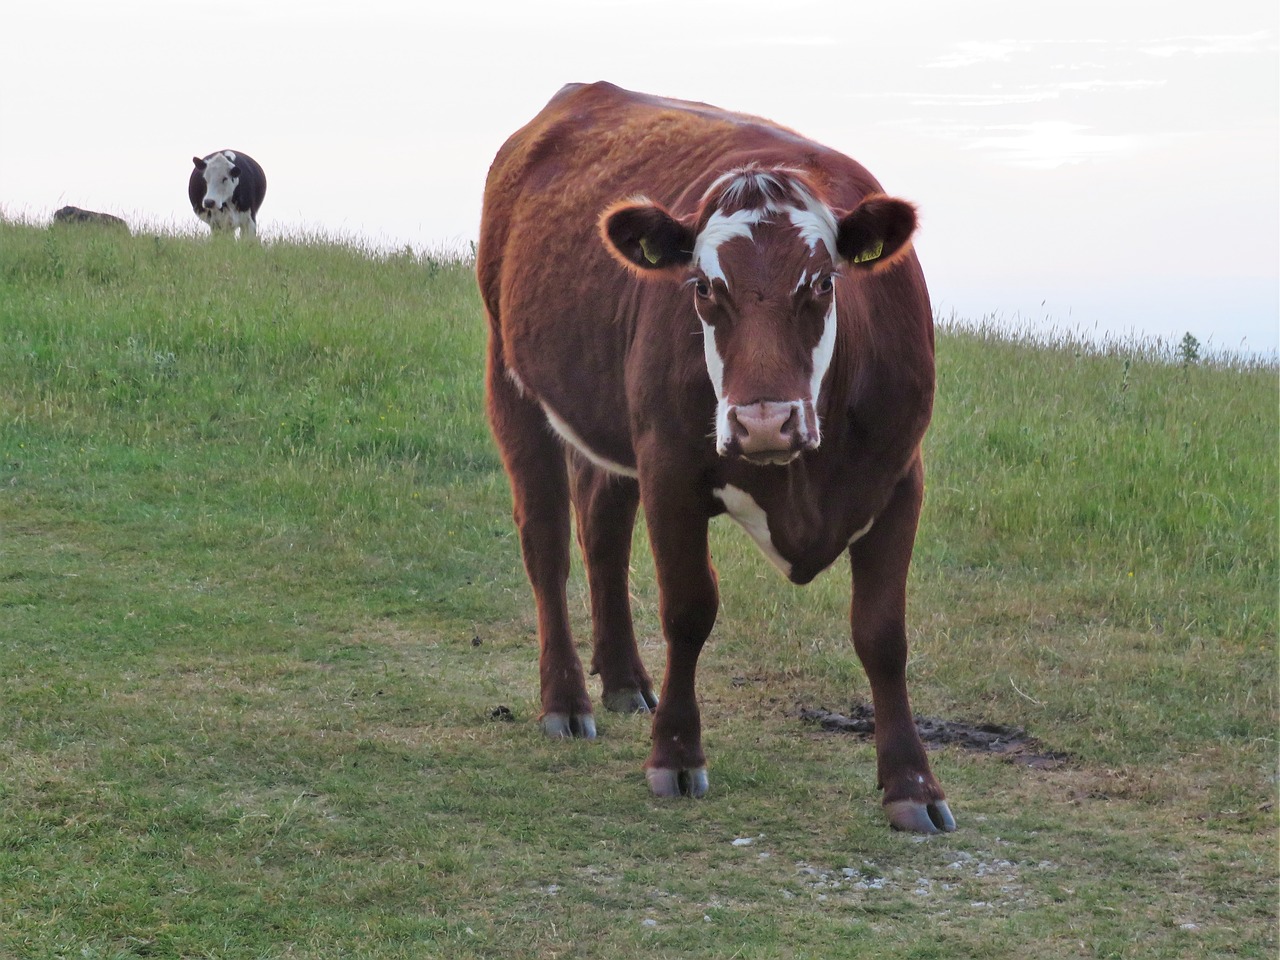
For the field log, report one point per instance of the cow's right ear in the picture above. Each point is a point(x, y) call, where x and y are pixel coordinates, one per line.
point(645, 238)
point(200, 164)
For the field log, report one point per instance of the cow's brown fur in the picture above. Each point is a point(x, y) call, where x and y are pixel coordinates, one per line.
point(588, 322)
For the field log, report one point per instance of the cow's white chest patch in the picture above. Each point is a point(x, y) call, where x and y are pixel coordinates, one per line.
point(752, 518)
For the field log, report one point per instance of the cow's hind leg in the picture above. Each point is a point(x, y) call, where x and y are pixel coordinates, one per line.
point(535, 463)
point(606, 508)
point(913, 798)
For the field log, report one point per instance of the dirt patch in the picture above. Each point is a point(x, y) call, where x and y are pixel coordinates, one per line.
point(1009, 743)
point(502, 713)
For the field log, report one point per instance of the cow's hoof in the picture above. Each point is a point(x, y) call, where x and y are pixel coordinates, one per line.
point(562, 726)
point(664, 782)
point(630, 701)
point(916, 817)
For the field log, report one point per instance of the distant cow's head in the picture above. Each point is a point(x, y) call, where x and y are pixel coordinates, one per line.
point(761, 261)
point(221, 177)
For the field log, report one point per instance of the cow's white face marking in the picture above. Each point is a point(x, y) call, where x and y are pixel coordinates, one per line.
point(816, 224)
point(720, 229)
point(715, 370)
point(752, 518)
point(781, 200)
point(822, 353)
point(219, 184)
point(567, 434)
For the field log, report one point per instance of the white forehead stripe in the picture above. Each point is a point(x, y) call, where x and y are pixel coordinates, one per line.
point(720, 229)
point(816, 223)
point(811, 218)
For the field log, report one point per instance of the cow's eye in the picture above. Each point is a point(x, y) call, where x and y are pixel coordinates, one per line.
point(826, 284)
point(702, 289)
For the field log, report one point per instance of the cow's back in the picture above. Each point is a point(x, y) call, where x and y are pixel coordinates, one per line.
point(595, 144)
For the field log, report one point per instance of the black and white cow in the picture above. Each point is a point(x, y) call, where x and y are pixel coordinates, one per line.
point(226, 190)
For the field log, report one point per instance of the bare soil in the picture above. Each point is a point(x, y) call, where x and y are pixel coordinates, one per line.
point(1013, 744)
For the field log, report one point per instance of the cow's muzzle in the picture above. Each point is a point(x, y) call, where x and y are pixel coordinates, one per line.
point(770, 431)
point(210, 204)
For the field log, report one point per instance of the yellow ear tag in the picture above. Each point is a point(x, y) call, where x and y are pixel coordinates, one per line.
point(650, 254)
point(871, 253)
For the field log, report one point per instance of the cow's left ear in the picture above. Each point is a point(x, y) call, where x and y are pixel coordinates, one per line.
point(645, 238)
point(876, 233)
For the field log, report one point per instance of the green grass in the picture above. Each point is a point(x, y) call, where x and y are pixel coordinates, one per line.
point(259, 595)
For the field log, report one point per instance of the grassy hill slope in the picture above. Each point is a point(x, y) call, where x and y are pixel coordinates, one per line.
point(262, 613)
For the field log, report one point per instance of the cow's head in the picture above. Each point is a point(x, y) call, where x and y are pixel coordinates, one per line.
point(761, 261)
point(221, 177)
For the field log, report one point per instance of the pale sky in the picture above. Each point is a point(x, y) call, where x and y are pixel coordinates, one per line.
point(1097, 166)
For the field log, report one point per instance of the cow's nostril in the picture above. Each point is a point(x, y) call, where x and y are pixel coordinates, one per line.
point(766, 428)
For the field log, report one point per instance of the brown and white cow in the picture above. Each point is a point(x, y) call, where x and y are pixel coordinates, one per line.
point(705, 313)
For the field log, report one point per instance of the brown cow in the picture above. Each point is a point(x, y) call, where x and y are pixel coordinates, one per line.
point(76, 215)
point(705, 313)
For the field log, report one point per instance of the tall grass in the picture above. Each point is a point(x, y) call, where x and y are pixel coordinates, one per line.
point(262, 614)
point(1123, 486)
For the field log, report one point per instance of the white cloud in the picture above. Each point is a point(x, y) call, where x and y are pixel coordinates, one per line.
point(767, 41)
point(1047, 144)
point(998, 99)
point(967, 53)
point(1089, 86)
point(1022, 94)
point(1208, 46)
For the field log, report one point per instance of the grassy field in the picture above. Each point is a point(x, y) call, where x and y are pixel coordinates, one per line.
point(268, 680)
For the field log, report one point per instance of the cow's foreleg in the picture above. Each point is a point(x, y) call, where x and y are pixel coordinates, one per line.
point(688, 600)
point(606, 508)
point(913, 799)
point(535, 464)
